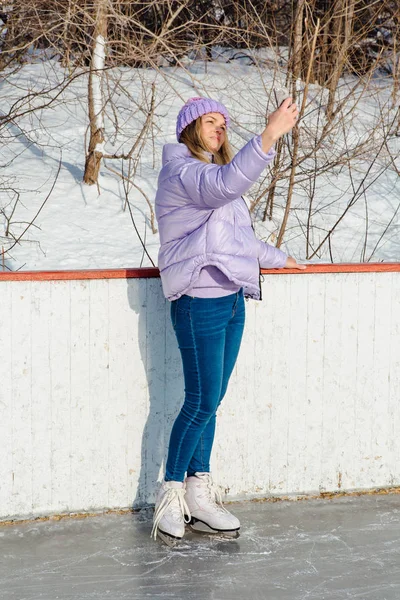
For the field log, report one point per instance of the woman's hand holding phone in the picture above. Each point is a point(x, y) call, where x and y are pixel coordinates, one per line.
point(281, 121)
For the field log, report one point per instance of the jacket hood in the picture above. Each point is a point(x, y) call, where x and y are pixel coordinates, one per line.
point(174, 151)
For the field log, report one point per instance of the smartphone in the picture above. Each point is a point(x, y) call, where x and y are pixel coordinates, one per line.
point(280, 93)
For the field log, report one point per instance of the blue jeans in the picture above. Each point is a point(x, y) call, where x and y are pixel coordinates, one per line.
point(209, 332)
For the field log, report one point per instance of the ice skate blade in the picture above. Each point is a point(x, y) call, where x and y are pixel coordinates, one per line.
point(200, 527)
point(167, 539)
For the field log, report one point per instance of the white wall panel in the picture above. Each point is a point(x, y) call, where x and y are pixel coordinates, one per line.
point(60, 379)
point(394, 381)
point(41, 396)
point(91, 383)
point(20, 398)
point(6, 382)
point(122, 322)
point(79, 442)
point(347, 377)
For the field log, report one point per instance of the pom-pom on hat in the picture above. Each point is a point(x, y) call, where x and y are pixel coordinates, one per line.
point(195, 108)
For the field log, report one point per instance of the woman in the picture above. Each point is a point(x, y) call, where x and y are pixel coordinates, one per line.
point(209, 261)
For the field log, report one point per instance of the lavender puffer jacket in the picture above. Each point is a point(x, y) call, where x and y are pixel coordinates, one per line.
point(203, 220)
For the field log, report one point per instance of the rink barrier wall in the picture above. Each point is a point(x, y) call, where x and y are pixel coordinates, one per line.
point(90, 384)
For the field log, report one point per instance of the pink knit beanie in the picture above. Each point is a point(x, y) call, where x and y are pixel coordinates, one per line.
point(195, 108)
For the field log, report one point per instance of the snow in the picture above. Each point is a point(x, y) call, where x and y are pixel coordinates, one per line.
point(82, 226)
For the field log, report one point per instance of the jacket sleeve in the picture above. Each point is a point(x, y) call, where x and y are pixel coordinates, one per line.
point(270, 257)
point(212, 186)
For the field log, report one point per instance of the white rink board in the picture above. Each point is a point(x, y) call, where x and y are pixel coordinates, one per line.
point(90, 383)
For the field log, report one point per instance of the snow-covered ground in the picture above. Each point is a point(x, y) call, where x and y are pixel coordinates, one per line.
point(88, 227)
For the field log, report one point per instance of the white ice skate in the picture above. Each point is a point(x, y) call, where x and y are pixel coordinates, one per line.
point(205, 505)
point(169, 513)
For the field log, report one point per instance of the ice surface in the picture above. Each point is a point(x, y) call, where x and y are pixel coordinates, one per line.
point(345, 548)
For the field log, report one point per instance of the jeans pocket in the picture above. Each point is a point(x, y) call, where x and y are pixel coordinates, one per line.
point(238, 306)
point(235, 303)
point(181, 308)
point(173, 313)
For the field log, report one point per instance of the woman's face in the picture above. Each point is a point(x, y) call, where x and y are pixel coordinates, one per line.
point(213, 130)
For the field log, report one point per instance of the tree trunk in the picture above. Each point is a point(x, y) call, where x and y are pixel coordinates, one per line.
point(343, 27)
point(95, 97)
point(297, 47)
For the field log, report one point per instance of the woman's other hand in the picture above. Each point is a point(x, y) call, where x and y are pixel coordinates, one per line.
point(279, 122)
point(291, 263)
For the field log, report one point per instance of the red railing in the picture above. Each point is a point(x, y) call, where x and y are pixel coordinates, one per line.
point(149, 272)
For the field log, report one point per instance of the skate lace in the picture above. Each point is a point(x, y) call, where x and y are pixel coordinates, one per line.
point(214, 495)
point(178, 510)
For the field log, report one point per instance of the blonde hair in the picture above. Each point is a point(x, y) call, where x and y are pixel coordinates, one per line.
point(191, 137)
